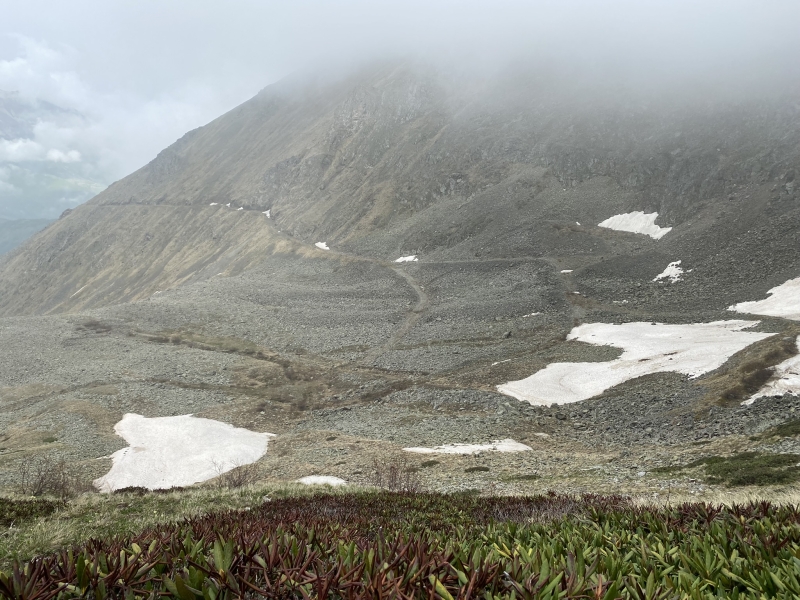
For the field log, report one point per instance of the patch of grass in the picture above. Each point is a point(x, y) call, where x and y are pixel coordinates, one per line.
point(744, 469)
point(667, 469)
point(14, 511)
point(751, 468)
point(429, 463)
point(94, 326)
point(476, 469)
point(788, 429)
point(752, 368)
point(104, 516)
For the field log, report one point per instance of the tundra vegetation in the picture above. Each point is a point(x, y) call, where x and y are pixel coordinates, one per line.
point(378, 544)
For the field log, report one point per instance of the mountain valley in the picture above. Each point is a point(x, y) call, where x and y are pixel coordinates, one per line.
point(249, 275)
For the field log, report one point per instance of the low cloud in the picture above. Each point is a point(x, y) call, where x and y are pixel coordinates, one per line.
point(67, 139)
point(110, 84)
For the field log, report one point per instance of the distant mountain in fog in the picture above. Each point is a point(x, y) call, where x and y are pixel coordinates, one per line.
point(15, 231)
point(41, 173)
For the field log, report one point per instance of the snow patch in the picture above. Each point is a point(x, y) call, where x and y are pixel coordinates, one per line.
point(322, 246)
point(566, 270)
point(412, 258)
point(673, 272)
point(786, 379)
point(636, 222)
point(228, 205)
point(79, 291)
point(507, 445)
point(783, 301)
point(533, 314)
point(266, 212)
point(240, 208)
point(214, 204)
point(321, 480)
point(692, 350)
point(165, 452)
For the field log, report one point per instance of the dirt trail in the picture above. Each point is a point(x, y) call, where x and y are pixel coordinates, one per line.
point(412, 318)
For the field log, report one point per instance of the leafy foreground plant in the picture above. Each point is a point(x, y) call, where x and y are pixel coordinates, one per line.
point(434, 546)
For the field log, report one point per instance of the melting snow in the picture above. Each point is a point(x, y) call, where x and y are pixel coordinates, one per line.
point(79, 291)
point(637, 222)
point(266, 212)
point(321, 480)
point(786, 379)
point(566, 270)
point(783, 301)
point(412, 258)
point(166, 452)
point(214, 204)
point(228, 205)
point(533, 314)
point(647, 348)
point(240, 208)
point(322, 246)
point(507, 445)
point(673, 272)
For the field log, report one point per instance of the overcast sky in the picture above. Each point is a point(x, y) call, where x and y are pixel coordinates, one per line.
point(135, 75)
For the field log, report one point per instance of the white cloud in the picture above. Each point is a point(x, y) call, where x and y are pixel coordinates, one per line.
point(20, 150)
point(65, 157)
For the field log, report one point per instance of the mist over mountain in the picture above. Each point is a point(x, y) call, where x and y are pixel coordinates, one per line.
point(15, 231)
point(40, 175)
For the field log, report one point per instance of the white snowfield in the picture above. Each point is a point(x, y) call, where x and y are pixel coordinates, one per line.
point(786, 379)
point(647, 348)
point(412, 258)
point(673, 272)
point(167, 452)
point(322, 246)
point(507, 445)
point(783, 301)
point(637, 222)
point(321, 480)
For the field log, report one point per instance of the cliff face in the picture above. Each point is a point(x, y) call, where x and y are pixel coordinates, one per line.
point(399, 159)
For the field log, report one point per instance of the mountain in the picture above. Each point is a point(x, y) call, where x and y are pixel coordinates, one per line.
point(248, 274)
point(15, 231)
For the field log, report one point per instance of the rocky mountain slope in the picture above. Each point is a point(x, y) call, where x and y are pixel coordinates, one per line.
point(194, 284)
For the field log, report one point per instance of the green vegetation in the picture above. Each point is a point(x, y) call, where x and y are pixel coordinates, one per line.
point(381, 545)
point(745, 468)
point(476, 469)
point(788, 429)
point(13, 512)
point(429, 463)
point(751, 468)
point(754, 369)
